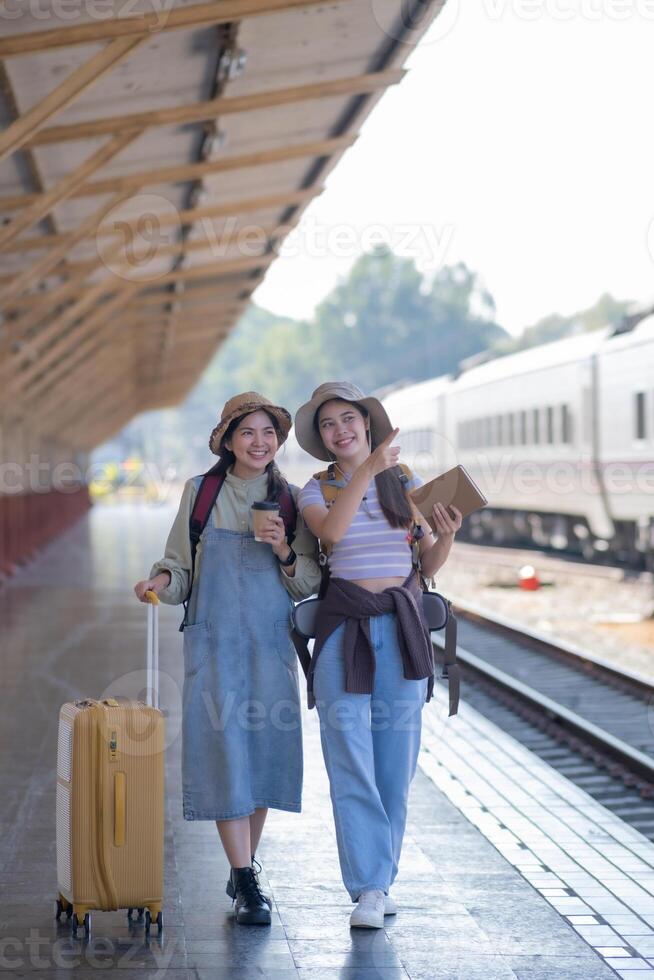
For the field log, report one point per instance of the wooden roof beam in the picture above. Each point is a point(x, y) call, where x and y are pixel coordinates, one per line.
point(46, 347)
point(178, 318)
point(178, 18)
point(78, 272)
point(186, 297)
point(51, 298)
point(56, 253)
point(57, 344)
point(190, 171)
point(111, 409)
point(200, 112)
point(195, 336)
point(63, 95)
point(185, 247)
point(36, 206)
point(81, 385)
point(188, 216)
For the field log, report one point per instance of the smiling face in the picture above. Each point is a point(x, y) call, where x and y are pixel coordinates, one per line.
point(343, 430)
point(254, 443)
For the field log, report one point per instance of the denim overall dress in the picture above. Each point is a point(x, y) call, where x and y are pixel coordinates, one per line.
point(241, 721)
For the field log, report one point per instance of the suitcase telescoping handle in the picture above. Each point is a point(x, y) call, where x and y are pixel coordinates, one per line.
point(152, 677)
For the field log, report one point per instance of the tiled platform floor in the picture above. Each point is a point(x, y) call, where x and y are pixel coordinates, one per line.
point(72, 628)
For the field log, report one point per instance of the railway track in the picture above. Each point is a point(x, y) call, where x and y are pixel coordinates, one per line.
point(590, 720)
point(550, 561)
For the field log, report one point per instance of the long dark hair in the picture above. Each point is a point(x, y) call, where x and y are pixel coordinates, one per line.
point(276, 481)
point(390, 488)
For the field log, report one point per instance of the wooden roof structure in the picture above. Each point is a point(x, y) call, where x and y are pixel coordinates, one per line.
point(153, 156)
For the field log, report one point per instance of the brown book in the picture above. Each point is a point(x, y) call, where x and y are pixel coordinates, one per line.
point(456, 486)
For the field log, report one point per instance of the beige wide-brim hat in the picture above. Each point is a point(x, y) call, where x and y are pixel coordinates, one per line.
point(243, 404)
point(305, 432)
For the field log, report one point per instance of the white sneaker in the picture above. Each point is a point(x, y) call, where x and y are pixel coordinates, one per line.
point(369, 911)
point(390, 908)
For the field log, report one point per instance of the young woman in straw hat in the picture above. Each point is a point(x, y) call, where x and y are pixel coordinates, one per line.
point(241, 731)
point(372, 667)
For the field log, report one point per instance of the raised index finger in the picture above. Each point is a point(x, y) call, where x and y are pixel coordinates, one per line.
point(389, 439)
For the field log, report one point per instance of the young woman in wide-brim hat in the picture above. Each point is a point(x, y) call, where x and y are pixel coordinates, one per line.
point(372, 667)
point(241, 730)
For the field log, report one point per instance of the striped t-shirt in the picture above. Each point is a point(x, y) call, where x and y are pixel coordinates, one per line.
point(370, 548)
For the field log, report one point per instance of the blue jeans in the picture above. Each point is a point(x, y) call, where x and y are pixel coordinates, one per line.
point(370, 744)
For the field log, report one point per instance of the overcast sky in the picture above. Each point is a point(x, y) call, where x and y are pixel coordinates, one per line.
point(521, 142)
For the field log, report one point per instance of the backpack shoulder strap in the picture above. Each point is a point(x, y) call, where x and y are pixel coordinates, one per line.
point(329, 487)
point(203, 504)
point(288, 513)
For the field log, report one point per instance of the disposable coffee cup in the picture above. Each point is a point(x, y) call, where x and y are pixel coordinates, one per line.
point(261, 511)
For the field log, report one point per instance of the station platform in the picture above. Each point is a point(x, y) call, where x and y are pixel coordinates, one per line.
point(508, 871)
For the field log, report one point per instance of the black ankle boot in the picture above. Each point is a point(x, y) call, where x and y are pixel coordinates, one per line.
point(251, 909)
point(257, 868)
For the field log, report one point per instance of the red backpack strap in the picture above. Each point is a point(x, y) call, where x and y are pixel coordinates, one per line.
point(288, 513)
point(203, 504)
point(204, 501)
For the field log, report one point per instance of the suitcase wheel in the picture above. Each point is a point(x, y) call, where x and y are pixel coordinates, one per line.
point(149, 920)
point(63, 906)
point(86, 924)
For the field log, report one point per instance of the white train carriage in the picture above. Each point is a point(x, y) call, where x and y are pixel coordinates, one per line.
point(559, 436)
point(625, 427)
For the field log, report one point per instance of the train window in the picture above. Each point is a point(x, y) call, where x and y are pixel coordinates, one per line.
point(566, 427)
point(535, 420)
point(487, 431)
point(499, 429)
point(549, 417)
point(641, 427)
point(523, 427)
point(510, 435)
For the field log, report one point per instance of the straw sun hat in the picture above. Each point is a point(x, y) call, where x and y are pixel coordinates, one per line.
point(305, 432)
point(243, 404)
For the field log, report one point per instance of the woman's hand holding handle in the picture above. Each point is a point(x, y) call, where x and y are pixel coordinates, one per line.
point(156, 584)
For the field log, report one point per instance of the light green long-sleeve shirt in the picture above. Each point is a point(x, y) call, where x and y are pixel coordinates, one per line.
point(232, 513)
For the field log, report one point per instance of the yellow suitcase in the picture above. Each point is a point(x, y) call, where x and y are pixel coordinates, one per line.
point(110, 802)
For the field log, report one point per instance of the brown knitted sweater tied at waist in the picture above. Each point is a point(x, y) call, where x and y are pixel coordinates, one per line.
point(346, 602)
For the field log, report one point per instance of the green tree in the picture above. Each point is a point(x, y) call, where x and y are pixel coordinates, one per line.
point(605, 311)
point(385, 323)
